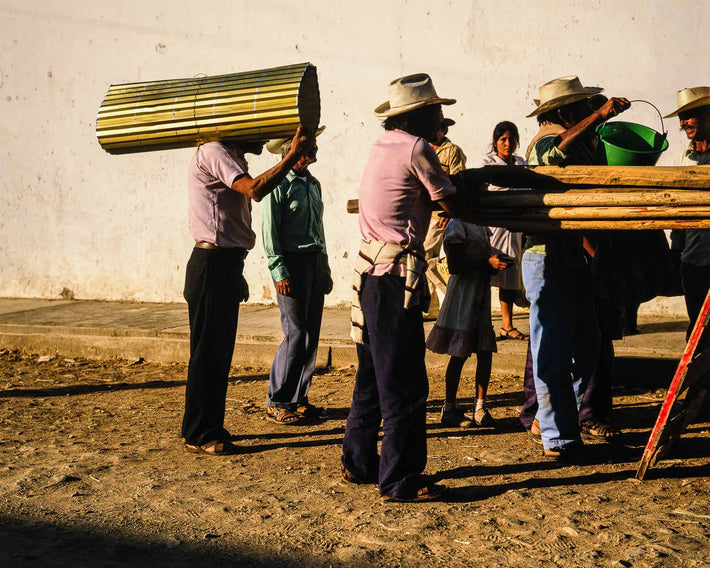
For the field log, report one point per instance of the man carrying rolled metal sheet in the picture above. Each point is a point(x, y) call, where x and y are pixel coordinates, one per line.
point(294, 242)
point(693, 245)
point(219, 218)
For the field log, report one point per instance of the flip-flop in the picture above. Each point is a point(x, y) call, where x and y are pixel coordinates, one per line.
point(213, 448)
point(426, 493)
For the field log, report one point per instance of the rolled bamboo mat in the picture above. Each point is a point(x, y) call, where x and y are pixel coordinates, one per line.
point(180, 113)
point(586, 197)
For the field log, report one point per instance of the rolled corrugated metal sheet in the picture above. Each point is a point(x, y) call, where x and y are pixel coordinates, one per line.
point(180, 113)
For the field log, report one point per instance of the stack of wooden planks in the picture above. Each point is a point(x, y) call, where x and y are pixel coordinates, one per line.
point(586, 197)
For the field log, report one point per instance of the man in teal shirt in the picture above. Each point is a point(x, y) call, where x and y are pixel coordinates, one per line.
point(294, 242)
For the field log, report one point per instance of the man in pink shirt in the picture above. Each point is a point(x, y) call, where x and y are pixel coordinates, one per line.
point(219, 216)
point(402, 180)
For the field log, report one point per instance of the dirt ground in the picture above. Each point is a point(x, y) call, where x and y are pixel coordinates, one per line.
point(93, 473)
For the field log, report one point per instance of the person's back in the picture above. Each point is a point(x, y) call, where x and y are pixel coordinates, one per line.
point(397, 188)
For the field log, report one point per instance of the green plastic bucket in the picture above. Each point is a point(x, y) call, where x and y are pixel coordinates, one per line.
point(630, 144)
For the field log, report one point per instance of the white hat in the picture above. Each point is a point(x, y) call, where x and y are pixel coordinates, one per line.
point(409, 93)
point(691, 98)
point(274, 146)
point(560, 92)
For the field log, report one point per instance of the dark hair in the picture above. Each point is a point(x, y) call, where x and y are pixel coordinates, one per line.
point(577, 108)
point(700, 112)
point(422, 122)
point(503, 127)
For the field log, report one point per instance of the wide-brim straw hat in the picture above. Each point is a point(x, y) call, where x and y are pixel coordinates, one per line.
point(410, 93)
point(274, 146)
point(691, 98)
point(560, 92)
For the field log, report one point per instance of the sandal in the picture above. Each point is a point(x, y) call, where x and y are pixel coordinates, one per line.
point(282, 415)
point(213, 448)
point(426, 493)
point(350, 477)
point(600, 431)
point(307, 410)
point(507, 334)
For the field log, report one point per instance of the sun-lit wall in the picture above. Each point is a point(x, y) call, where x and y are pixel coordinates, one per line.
point(114, 227)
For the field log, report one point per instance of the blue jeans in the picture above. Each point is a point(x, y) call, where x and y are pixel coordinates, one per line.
point(564, 341)
point(301, 315)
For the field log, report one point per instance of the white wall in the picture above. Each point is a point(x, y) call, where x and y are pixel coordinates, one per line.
point(114, 227)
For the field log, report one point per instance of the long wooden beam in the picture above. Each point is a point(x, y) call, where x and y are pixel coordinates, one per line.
point(596, 197)
point(559, 178)
point(536, 226)
point(585, 197)
point(583, 213)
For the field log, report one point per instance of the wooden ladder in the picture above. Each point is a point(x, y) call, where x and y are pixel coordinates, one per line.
point(692, 379)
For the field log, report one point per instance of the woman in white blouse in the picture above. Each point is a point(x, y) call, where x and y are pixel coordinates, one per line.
point(509, 282)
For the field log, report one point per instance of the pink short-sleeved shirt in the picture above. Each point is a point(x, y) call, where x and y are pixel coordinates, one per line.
point(402, 178)
point(216, 213)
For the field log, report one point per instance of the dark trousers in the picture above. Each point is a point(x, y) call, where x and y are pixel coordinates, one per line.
point(214, 286)
point(391, 386)
point(301, 315)
point(695, 281)
point(597, 399)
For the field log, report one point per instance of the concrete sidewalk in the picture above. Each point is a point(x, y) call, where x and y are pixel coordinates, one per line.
point(159, 332)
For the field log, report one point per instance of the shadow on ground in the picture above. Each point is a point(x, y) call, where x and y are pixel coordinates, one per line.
point(25, 544)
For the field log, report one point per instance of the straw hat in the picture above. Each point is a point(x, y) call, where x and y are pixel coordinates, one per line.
point(410, 93)
point(561, 92)
point(274, 146)
point(693, 97)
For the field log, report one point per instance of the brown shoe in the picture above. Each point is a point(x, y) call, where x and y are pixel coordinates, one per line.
point(535, 433)
point(426, 493)
point(571, 453)
point(350, 477)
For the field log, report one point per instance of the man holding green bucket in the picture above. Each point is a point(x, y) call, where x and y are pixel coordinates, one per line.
point(693, 245)
point(564, 332)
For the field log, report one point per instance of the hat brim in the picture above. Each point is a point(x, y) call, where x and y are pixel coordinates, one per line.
point(274, 146)
point(701, 102)
point(563, 100)
point(384, 110)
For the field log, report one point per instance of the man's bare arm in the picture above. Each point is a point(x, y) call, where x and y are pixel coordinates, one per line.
point(259, 187)
point(610, 109)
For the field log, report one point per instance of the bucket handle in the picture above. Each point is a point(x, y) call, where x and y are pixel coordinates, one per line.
point(663, 128)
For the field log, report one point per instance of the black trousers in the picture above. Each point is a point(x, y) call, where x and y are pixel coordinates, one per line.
point(391, 388)
point(214, 286)
point(695, 281)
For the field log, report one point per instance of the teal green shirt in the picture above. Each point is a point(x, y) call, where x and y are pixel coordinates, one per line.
point(292, 221)
point(546, 153)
